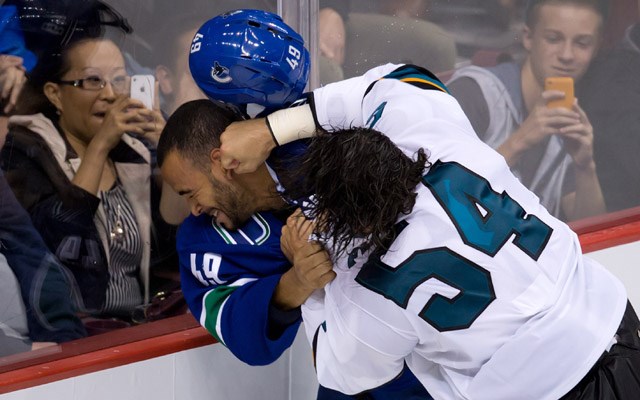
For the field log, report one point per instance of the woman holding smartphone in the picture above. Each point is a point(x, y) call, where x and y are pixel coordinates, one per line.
point(83, 178)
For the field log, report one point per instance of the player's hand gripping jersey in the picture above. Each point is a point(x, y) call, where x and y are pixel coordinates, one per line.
point(228, 279)
point(483, 293)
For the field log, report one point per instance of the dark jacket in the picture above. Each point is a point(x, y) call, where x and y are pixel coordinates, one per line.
point(47, 292)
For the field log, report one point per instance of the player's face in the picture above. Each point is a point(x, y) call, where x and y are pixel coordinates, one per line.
point(563, 42)
point(207, 192)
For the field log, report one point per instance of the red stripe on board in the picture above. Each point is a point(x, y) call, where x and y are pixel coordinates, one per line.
point(104, 359)
point(610, 237)
point(94, 343)
point(608, 230)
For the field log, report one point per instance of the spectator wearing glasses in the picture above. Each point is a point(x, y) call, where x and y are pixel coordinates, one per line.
point(85, 181)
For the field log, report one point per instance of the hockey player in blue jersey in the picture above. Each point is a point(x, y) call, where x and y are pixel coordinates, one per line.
point(231, 264)
point(234, 275)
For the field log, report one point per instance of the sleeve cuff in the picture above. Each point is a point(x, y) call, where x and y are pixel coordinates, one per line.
point(279, 320)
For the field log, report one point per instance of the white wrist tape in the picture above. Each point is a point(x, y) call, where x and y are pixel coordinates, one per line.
point(291, 124)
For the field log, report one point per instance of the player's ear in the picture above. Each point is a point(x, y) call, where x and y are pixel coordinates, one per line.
point(215, 157)
point(216, 164)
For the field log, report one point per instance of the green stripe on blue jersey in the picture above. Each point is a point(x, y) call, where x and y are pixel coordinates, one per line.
point(211, 307)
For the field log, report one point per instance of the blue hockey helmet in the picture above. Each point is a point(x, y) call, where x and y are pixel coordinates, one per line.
point(249, 56)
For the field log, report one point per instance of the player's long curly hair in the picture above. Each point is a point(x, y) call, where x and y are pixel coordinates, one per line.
point(362, 183)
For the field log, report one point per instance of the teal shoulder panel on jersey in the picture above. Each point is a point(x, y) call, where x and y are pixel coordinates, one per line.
point(416, 76)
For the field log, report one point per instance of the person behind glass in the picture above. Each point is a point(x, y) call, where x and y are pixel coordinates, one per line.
point(611, 95)
point(82, 177)
point(39, 301)
point(238, 303)
point(549, 149)
point(170, 60)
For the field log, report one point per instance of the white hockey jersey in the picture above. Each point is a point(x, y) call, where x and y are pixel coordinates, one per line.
point(483, 294)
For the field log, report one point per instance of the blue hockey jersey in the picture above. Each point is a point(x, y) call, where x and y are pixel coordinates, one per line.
point(228, 278)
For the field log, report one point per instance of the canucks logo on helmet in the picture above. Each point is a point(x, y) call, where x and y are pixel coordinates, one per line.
point(220, 73)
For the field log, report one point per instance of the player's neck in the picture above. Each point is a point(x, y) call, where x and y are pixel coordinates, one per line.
point(263, 188)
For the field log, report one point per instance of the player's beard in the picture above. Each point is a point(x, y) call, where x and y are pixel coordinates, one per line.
point(235, 204)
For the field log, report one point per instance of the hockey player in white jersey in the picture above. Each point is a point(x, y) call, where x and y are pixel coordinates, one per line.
point(482, 293)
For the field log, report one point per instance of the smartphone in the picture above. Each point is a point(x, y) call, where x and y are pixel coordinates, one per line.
point(142, 88)
point(563, 84)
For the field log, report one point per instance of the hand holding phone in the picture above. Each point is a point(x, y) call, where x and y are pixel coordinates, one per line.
point(142, 88)
point(563, 84)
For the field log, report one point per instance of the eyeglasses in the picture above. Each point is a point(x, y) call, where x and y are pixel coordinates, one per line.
point(119, 83)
